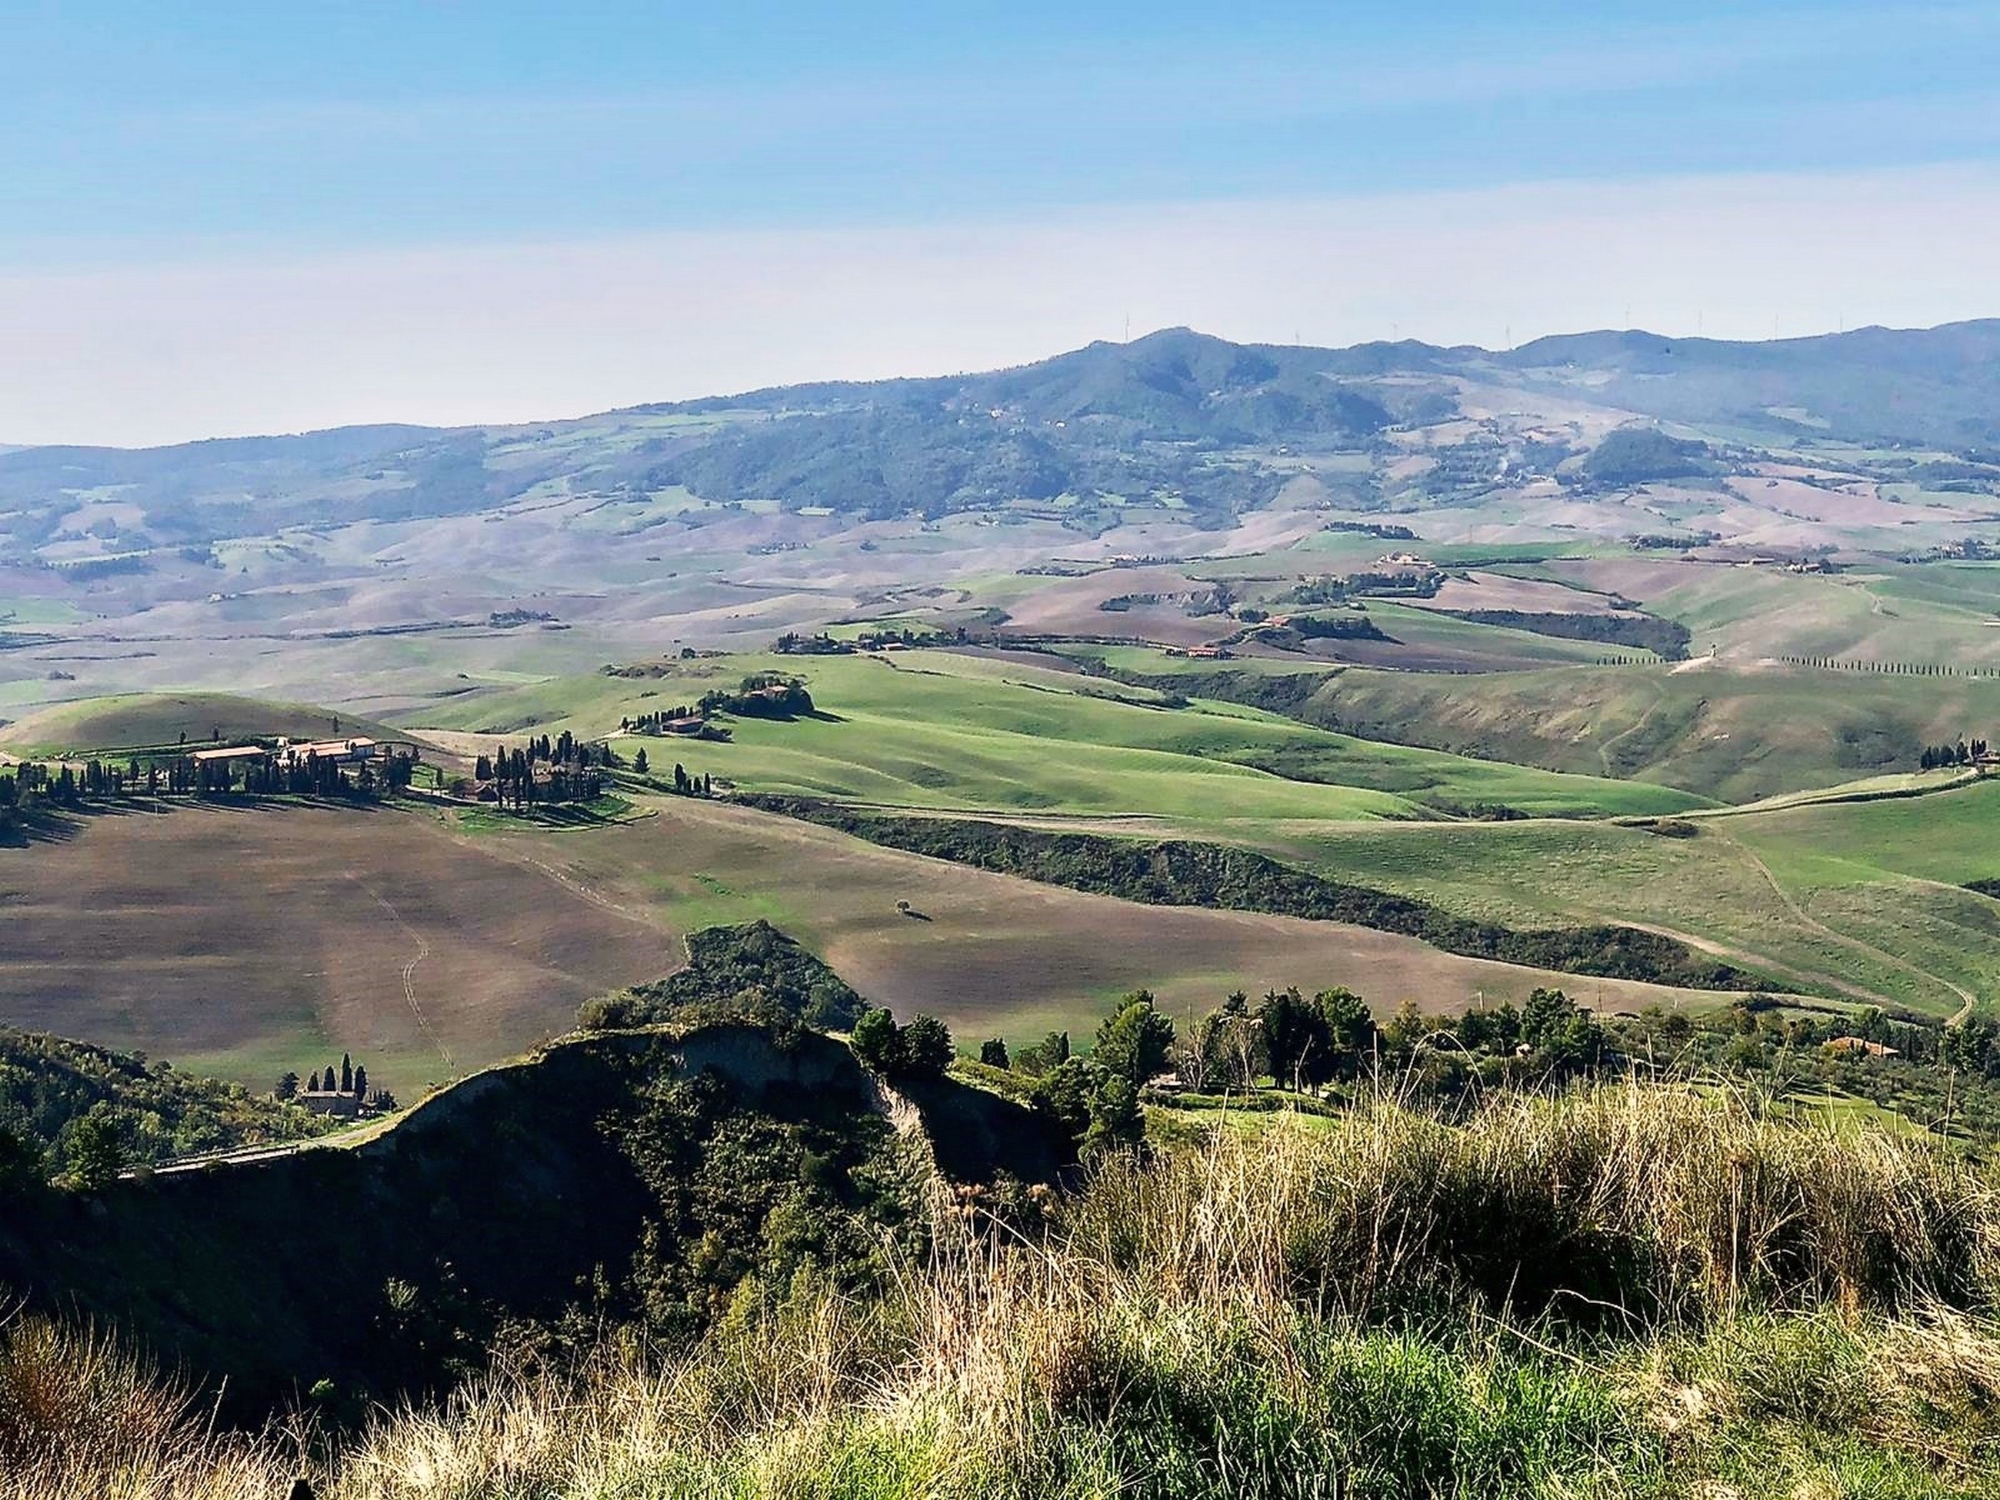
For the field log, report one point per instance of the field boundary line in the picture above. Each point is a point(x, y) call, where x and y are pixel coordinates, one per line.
point(1806, 920)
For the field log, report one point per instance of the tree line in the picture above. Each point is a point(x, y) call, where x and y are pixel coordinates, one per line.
point(1936, 757)
point(36, 785)
point(791, 643)
point(1945, 1076)
point(1179, 872)
point(1893, 668)
point(352, 1079)
point(563, 770)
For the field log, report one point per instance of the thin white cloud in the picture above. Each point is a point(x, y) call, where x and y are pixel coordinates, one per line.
point(531, 331)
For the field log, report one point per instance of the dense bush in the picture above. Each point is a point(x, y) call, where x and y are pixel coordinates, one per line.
point(919, 1051)
point(749, 972)
point(65, 1105)
point(1664, 638)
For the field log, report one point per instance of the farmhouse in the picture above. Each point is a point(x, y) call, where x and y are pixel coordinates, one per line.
point(342, 1105)
point(1859, 1044)
point(231, 753)
point(343, 752)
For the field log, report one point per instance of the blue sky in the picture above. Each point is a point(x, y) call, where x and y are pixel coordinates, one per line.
point(154, 157)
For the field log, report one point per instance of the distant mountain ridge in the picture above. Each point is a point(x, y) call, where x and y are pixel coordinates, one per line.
point(1177, 418)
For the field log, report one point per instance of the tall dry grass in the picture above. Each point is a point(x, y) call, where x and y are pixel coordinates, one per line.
point(1621, 1293)
point(1647, 1202)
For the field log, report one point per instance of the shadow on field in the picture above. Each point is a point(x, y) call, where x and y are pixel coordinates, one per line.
point(61, 825)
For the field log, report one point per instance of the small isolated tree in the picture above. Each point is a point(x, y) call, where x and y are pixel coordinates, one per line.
point(360, 1082)
point(1115, 1117)
point(877, 1041)
point(926, 1048)
point(1546, 1015)
point(640, 763)
point(346, 1074)
point(994, 1053)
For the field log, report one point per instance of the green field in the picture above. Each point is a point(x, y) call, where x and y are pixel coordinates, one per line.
point(962, 733)
point(1721, 731)
point(1846, 899)
point(1854, 898)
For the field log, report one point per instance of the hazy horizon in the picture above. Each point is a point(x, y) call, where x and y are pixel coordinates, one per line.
point(9, 446)
point(234, 220)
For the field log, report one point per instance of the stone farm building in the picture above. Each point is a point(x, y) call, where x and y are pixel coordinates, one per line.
point(293, 752)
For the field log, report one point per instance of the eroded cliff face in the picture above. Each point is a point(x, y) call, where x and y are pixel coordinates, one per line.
point(638, 1174)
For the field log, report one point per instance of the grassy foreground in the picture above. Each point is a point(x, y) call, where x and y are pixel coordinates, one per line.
point(1632, 1292)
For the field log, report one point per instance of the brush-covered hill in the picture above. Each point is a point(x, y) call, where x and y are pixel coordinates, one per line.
point(642, 1174)
point(1912, 386)
point(149, 1111)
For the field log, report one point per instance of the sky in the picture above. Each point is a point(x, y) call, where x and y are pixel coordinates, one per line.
point(233, 218)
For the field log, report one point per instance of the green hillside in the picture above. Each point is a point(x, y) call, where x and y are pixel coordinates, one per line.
point(142, 720)
point(144, 1111)
point(1713, 729)
point(939, 730)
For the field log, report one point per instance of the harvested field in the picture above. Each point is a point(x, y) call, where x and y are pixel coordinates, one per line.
point(159, 931)
point(1498, 591)
point(249, 941)
point(997, 955)
point(1851, 503)
point(1072, 606)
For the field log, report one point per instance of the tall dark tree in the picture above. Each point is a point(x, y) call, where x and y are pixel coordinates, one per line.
point(94, 1151)
point(1136, 1040)
point(926, 1048)
point(877, 1041)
